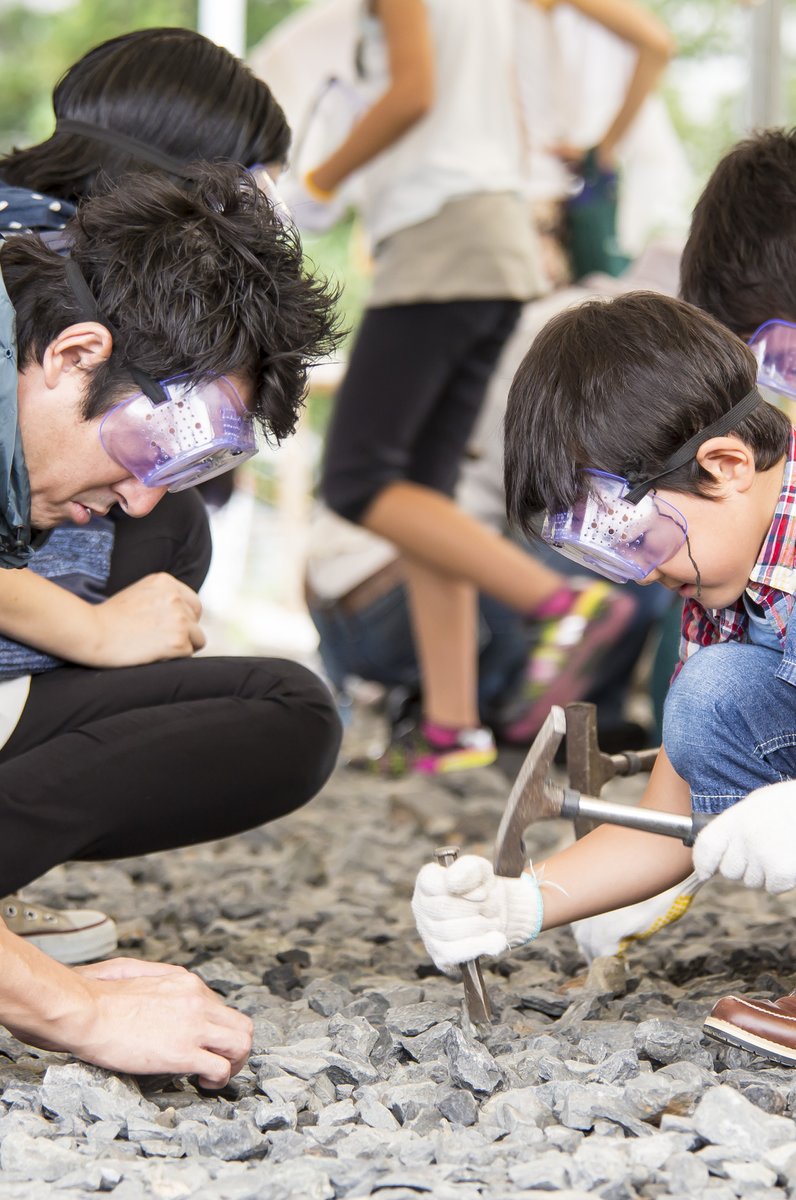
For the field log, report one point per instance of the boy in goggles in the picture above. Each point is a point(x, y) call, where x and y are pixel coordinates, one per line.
point(636, 434)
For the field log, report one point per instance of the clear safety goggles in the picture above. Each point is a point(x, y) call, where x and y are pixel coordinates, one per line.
point(774, 347)
point(268, 187)
point(619, 540)
point(175, 435)
point(624, 530)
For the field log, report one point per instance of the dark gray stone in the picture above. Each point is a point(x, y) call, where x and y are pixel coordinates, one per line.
point(670, 1041)
point(725, 1118)
point(459, 1107)
point(327, 997)
point(412, 1019)
point(471, 1065)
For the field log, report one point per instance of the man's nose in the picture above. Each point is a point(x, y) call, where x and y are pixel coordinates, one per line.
point(136, 498)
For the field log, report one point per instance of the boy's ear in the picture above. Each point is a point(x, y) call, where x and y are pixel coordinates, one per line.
point(730, 461)
point(78, 347)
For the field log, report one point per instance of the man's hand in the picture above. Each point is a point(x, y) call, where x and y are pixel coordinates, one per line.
point(754, 841)
point(465, 910)
point(149, 1019)
point(155, 618)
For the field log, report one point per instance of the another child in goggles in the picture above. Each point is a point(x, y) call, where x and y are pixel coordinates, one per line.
point(621, 387)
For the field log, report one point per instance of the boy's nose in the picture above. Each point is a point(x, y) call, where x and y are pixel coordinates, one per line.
point(136, 498)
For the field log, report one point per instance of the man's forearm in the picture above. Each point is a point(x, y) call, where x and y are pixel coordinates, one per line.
point(39, 613)
point(40, 1000)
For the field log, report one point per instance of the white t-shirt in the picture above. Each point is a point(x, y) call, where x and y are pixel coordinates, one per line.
point(469, 141)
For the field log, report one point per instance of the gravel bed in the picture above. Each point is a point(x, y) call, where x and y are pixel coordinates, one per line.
point(366, 1078)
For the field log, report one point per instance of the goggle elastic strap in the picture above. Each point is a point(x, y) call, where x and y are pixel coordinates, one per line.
point(76, 281)
point(132, 145)
point(725, 424)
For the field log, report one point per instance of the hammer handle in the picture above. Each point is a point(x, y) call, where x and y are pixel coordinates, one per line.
point(479, 1008)
point(575, 806)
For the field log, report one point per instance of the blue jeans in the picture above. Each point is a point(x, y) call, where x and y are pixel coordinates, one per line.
point(729, 724)
point(377, 644)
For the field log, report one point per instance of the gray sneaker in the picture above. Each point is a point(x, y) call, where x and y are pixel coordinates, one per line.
point(70, 935)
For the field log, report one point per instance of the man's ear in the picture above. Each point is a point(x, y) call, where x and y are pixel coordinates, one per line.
point(730, 461)
point(79, 347)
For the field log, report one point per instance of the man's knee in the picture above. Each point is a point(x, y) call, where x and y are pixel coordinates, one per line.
point(317, 731)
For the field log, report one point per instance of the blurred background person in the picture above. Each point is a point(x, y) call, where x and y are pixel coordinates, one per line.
point(453, 260)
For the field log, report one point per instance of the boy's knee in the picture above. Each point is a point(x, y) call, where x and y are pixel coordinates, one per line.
point(710, 697)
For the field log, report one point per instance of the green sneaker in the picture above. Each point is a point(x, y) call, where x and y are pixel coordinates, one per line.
point(413, 754)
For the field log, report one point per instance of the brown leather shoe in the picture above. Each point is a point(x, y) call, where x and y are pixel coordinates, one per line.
point(765, 1027)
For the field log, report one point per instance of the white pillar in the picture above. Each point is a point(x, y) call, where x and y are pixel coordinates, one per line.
point(224, 22)
point(765, 106)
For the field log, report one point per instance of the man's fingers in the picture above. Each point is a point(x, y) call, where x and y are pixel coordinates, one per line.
point(197, 637)
point(127, 968)
point(191, 599)
point(213, 1071)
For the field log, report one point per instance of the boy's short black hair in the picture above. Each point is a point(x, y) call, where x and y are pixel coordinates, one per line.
point(739, 263)
point(619, 385)
point(200, 279)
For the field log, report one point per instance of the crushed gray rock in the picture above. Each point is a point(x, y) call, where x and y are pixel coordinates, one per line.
point(366, 1078)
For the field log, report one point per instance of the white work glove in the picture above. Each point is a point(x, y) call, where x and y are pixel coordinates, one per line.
point(308, 211)
point(465, 910)
point(612, 933)
point(754, 841)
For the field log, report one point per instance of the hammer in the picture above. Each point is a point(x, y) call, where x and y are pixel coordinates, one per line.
point(526, 803)
point(535, 798)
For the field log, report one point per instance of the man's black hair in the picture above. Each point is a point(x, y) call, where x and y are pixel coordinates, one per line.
point(199, 279)
point(170, 89)
point(739, 263)
point(618, 386)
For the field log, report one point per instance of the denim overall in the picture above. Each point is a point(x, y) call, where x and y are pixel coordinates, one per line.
point(729, 724)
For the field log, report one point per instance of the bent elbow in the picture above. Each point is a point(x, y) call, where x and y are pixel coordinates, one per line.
point(664, 47)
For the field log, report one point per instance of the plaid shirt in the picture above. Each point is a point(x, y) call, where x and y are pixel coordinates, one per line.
point(772, 584)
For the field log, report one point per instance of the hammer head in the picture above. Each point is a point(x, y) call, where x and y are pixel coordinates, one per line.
point(528, 801)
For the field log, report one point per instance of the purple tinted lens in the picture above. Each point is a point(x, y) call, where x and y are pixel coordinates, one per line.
point(774, 347)
point(618, 540)
point(200, 432)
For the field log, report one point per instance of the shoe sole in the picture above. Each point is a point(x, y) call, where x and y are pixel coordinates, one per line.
point(80, 946)
point(572, 683)
point(731, 1035)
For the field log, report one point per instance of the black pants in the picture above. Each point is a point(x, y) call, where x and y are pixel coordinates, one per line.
point(107, 763)
point(413, 389)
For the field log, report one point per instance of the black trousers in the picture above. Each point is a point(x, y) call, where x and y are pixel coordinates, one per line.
point(415, 383)
point(108, 763)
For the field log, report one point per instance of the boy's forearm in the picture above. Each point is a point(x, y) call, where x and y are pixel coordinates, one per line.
point(612, 867)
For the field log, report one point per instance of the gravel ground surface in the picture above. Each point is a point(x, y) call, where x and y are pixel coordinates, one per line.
point(366, 1079)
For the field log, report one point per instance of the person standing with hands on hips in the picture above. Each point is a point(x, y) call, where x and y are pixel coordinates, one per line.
point(454, 259)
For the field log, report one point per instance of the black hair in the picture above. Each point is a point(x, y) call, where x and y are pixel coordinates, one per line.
point(171, 89)
point(618, 386)
point(199, 279)
point(739, 263)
